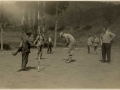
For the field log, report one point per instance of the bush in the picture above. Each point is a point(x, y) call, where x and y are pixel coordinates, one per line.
point(76, 27)
point(51, 28)
point(61, 28)
point(6, 46)
point(88, 27)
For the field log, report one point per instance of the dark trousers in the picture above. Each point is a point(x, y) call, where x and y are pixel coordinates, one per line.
point(24, 60)
point(106, 51)
point(49, 47)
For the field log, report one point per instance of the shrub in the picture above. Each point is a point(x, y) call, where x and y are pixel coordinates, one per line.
point(6, 46)
point(88, 27)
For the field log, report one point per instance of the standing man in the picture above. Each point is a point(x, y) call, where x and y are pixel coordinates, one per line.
point(96, 42)
point(106, 39)
point(71, 43)
point(24, 48)
point(49, 44)
point(40, 43)
point(89, 43)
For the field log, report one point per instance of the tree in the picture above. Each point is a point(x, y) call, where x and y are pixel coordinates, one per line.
point(30, 14)
point(108, 14)
point(54, 8)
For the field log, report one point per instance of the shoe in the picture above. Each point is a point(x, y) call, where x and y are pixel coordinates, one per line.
point(20, 70)
point(18, 50)
point(14, 53)
point(102, 61)
point(25, 69)
point(68, 60)
point(108, 62)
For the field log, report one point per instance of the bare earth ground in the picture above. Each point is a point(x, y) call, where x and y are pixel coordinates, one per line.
point(86, 71)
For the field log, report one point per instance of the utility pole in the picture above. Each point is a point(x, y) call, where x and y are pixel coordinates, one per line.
point(2, 25)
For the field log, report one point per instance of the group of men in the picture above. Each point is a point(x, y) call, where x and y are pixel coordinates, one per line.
point(92, 44)
point(105, 38)
point(26, 44)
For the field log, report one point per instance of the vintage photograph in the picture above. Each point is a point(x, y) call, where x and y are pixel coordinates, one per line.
point(59, 44)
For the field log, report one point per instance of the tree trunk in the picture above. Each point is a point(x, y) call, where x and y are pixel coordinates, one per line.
point(2, 26)
point(43, 18)
point(29, 19)
point(34, 22)
point(56, 22)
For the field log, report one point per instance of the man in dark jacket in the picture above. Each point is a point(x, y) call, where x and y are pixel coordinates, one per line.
point(24, 48)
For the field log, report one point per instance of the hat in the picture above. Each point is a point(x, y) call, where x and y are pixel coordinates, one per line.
point(61, 34)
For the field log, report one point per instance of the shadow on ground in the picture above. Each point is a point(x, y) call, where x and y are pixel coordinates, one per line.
point(29, 67)
point(70, 61)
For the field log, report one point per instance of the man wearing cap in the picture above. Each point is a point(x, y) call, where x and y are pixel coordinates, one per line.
point(89, 43)
point(24, 48)
point(40, 43)
point(71, 43)
point(106, 39)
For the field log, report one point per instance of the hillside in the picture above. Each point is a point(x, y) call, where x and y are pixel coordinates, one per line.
point(80, 19)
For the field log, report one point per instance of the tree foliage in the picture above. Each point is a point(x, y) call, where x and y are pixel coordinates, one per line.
point(71, 13)
point(51, 7)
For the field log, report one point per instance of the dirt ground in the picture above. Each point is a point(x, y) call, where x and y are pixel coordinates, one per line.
point(84, 72)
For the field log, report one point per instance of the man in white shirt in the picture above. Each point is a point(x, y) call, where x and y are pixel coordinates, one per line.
point(71, 43)
point(49, 44)
point(106, 39)
point(40, 43)
point(89, 43)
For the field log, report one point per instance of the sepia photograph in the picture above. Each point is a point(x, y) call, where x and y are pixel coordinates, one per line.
point(59, 44)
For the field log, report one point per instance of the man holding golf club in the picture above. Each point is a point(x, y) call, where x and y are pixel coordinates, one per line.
point(71, 43)
point(24, 48)
point(106, 39)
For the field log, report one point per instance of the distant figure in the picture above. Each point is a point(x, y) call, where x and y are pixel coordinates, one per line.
point(96, 42)
point(40, 43)
point(71, 43)
point(90, 43)
point(49, 44)
point(24, 48)
point(106, 39)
